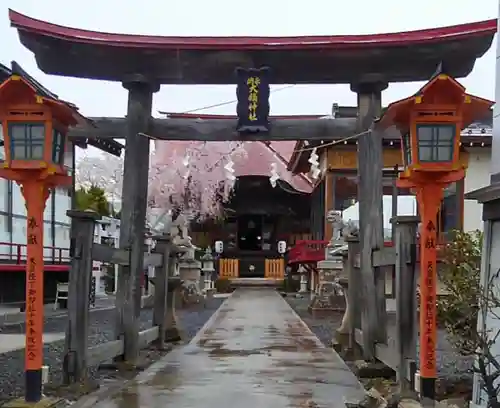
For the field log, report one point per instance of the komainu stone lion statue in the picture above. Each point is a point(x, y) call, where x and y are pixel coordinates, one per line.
point(335, 218)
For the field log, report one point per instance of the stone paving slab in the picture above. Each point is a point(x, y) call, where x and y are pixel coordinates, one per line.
point(254, 352)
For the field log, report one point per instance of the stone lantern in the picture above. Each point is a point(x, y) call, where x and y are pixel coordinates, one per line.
point(208, 270)
point(149, 272)
point(331, 267)
point(330, 295)
point(303, 279)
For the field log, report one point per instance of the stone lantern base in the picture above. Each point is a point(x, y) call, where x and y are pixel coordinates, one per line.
point(330, 294)
point(190, 274)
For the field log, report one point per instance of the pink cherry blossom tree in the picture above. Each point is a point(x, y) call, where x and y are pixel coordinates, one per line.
point(185, 177)
point(191, 177)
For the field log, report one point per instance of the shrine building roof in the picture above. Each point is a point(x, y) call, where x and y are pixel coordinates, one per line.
point(392, 57)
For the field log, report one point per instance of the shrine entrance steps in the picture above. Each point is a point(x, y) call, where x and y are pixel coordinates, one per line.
point(254, 352)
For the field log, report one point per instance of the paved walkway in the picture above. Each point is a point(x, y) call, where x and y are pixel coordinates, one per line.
point(254, 352)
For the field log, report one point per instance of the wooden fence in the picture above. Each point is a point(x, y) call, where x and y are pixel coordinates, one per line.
point(393, 344)
point(128, 340)
point(229, 268)
point(274, 268)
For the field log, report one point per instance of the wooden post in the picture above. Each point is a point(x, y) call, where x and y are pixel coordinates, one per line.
point(371, 228)
point(75, 353)
point(395, 194)
point(405, 228)
point(133, 213)
point(394, 210)
point(163, 247)
point(459, 200)
point(330, 204)
point(353, 289)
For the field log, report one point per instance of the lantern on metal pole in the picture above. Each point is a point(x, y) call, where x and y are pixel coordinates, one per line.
point(35, 125)
point(430, 123)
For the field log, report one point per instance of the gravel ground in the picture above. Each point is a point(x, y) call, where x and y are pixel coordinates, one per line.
point(190, 320)
point(323, 326)
point(451, 365)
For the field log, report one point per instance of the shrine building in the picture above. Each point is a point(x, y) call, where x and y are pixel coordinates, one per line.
point(295, 210)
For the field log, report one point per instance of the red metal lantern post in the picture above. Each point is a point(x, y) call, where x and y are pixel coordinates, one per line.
point(34, 125)
point(430, 123)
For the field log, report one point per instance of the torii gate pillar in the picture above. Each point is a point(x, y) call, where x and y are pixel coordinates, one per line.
point(133, 211)
point(370, 197)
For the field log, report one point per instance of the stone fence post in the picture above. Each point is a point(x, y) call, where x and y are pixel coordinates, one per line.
point(163, 246)
point(172, 332)
point(406, 297)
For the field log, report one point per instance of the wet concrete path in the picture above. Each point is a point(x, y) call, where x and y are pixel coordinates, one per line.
point(254, 352)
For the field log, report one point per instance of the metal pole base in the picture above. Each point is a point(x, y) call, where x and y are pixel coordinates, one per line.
point(427, 389)
point(33, 390)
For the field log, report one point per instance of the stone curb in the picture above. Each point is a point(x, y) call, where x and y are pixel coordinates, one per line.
point(212, 318)
point(43, 403)
point(10, 319)
point(19, 318)
point(374, 399)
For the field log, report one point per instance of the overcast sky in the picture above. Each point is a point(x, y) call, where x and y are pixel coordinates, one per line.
point(235, 18)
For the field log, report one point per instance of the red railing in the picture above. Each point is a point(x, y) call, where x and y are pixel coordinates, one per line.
point(307, 251)
point(13, 257)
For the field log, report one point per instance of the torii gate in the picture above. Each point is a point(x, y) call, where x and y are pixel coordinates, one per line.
point(143, 63)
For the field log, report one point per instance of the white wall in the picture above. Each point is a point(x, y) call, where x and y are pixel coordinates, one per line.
point(495, 166)
point(478, 176)
point(61, 221)
point(407, 205)
point(18, 234)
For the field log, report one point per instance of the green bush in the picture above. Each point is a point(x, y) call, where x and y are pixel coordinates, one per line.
point(459, 274)
point(469, 299)
point(291, 283)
